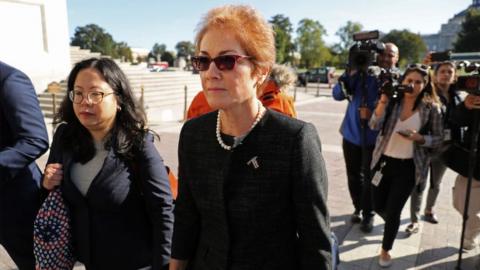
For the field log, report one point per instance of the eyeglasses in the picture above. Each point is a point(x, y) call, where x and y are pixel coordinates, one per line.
point(223, 62)
point(94, 97)
point(420, 67)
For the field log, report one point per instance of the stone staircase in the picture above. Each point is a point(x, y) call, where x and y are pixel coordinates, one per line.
point(77, 54)
point(163, 92)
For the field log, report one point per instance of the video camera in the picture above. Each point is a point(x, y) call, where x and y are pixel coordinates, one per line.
point(363, 53)
point(440, 56)
point(391, 85)
point(469, 83)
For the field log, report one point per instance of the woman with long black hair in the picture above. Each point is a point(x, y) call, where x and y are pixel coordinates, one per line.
point(110, 173)
point(409, 126)
point(444, 80)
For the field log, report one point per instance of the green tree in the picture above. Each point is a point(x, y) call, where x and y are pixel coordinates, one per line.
point(168, 57)
point(185, 48)
point(159, 48)
point(335, 57)
point(283, 38)
point(410, 45)
point(345, 33)
point(124, 51)
point(469, 37)
point(157, 51)
point(96, 39)
point(310, 44)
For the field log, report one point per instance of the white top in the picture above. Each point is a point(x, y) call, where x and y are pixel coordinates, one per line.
point(399, 146)
point(83, 174)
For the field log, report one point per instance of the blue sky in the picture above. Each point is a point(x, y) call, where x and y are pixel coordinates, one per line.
point(141, 23)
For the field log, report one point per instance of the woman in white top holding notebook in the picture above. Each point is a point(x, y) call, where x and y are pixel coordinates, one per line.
point(410, 123)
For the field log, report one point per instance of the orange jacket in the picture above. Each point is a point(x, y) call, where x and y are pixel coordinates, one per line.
point(199, 106)
point(172, 178)
point(276, 100)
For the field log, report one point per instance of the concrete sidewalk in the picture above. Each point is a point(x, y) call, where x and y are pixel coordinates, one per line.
point(434, 247)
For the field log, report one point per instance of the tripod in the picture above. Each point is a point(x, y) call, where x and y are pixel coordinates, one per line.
point(366, 154)
point(358, 100)
point(471, 168)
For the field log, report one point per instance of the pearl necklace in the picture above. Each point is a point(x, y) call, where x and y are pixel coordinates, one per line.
point(261, 112)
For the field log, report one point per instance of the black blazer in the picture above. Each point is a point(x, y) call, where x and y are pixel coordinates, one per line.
point(260, 206)
point(458, 155)
point(23, 138)
point(125, 221)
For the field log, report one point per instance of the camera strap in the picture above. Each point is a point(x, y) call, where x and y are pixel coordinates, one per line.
point(363, 81)
point(388, 113)
point(345, 91)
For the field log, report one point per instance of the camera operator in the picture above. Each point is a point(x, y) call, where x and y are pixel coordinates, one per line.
point(458, 161)
point(408, 125)
point(389, 58)
point(444, 79)
point(359, 108)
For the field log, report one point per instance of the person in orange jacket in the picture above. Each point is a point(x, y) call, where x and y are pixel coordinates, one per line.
point(273, 94)
point(172, 178)
point(199, 106)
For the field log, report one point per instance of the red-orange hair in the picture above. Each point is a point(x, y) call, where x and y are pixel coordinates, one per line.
point(254, 34)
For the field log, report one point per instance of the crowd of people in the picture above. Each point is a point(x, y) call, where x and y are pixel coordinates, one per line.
point(252, 181)
point(411, 134)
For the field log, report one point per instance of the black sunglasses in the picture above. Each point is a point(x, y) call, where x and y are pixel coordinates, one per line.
point(421, 67)
point(223, 62)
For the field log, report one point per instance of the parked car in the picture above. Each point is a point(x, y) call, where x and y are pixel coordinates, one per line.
point(316, 75)
point(158, 66)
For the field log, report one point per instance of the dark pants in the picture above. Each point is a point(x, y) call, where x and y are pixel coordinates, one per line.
point(21, 251)
point(335, 251)
point(17, 214)
point(390, 196)
point(437, 170)
point(358, 182)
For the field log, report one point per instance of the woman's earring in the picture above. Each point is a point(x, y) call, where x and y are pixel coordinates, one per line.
point(119, 108)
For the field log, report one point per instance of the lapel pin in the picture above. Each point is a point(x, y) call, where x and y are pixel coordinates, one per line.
point(254, 162)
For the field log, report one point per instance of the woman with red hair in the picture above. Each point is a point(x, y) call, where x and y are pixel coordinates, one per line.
point(252, 182)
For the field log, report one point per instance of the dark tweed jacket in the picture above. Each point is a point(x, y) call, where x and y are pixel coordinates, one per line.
point(231, 215)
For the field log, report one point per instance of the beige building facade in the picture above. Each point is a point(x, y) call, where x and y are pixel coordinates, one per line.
point(34, 38)
point(446, 37)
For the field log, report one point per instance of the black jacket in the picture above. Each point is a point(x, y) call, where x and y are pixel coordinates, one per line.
point(125, 221)
point(23, 138)
point(449, 110)
point(457, 156)
point(260, 206)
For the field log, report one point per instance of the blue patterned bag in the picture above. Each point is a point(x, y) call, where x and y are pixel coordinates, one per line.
point(52, 238)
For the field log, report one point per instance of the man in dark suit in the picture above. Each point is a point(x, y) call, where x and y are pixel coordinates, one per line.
point(23, 138)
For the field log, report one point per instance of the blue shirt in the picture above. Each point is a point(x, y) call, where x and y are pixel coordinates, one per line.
point(351, 129)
